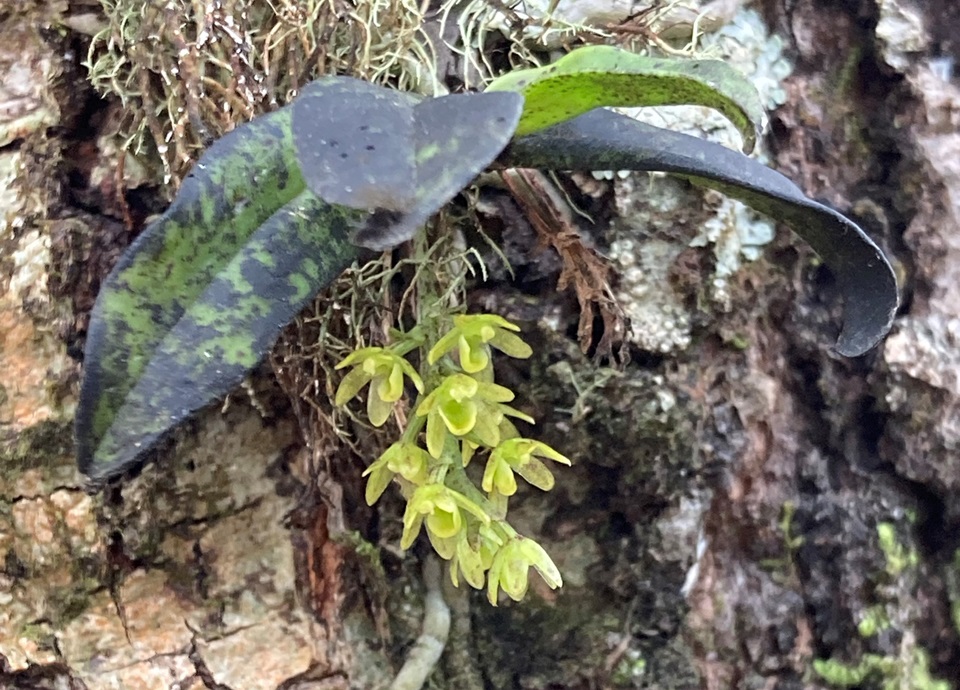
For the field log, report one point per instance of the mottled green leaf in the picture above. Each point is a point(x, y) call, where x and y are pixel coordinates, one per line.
point(235, 188)
point(227, 329)
point(604, 140)
point(595, 76)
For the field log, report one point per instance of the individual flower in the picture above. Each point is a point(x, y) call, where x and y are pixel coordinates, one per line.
point(509, 570)
point(473, 334)
point(406, 459)
point(473, 555)
point(519, 455)
point(441, 508)
point(384, 371)
point(462, 405)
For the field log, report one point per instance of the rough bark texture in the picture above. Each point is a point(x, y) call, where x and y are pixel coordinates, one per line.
point(746, 509)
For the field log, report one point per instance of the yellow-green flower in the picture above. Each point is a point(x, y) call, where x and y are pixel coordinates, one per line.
point(406, 459)
point(473, 334)
point(509, 570)
point(384, 371)
point(441, 508)
point(473, 555)
point(463, 405)
point(518, 455)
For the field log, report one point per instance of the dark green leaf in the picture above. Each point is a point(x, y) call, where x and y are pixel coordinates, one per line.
point(227, 329)
point(595, 76)
point(235, 188)
point(603, 140)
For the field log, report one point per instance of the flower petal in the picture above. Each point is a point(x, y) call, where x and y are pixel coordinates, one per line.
point(494, 392)
point(390, 388)
point(436, 434)
point(460, 417)
point(358, 356)
point(444, 524)
point(470, 562)
point(350, 385)
point(513, 412)
point(445, 548)
point(474, 356)
point(378, 409)
point(378, 482)
point(410, 462)
point(513, 576)
point(411, 527)
point(467, 449)
point(535, 555)
point(411, 373)
point(536, 473)
point(504, 481)
point(443, 346)
point(487, 428)
point(545, 451)
point(511, 345)
point(493, 577)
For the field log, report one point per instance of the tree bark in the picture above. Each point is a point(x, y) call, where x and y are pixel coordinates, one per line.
point(746, 508)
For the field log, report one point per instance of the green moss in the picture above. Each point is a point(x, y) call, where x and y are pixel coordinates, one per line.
point(899, 558)
point(892, 673)
point(874, 620)
point(952, 579)
point(909, 669)
point(34, 447)
point(630, 671)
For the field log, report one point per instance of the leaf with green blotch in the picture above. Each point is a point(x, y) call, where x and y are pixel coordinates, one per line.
point(603, 140)
point(596, 76)
point(200, 297)
point(235, 188)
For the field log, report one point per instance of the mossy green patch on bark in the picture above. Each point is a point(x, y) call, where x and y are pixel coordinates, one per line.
point(35, 446)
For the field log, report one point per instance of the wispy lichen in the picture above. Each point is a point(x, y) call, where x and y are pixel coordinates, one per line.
point(187, 72)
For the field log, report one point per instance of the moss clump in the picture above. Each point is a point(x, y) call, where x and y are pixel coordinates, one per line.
point(188, 72)
point(910, 668)
point(33, 447)
point(899, 558)
point(892, 672)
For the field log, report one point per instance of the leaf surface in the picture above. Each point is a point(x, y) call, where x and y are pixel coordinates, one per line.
point(235, 188)
point(596, 76)
point(436, 147)
point(354, 143)
point(603, 140)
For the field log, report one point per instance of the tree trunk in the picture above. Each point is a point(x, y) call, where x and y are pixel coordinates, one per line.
point(746, 508)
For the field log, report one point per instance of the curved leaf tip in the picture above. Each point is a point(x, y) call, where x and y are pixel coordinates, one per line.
point(602, 140)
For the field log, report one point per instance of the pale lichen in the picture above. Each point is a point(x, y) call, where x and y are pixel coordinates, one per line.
point(188, 72)
point(901, 32)
point(735, 233)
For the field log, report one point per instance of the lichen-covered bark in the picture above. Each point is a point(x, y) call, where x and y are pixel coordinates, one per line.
point(745, 510)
